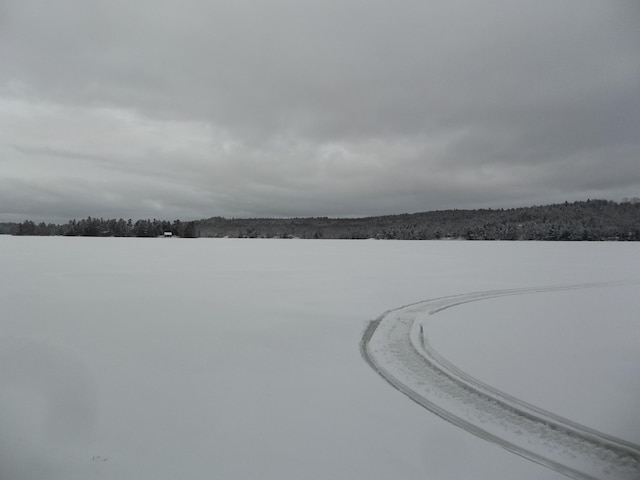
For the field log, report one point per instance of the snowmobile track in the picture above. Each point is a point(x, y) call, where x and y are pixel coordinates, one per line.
point(396, 346)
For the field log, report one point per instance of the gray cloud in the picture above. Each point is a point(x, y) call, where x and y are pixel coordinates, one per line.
point(198, 108)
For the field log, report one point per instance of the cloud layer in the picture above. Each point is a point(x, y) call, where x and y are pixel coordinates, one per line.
point(283, 108)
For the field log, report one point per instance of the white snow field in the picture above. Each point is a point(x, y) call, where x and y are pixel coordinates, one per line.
point(398, 347)
point(239, 359)
point(570, 328)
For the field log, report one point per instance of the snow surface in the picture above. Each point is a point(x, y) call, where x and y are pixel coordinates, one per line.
point(170, 358)
point(396, 345)
point(586, 338)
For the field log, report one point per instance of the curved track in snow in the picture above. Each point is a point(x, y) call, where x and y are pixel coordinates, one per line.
point(396, 346)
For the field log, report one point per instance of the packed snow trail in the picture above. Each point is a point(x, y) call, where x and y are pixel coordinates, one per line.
point(396, 346)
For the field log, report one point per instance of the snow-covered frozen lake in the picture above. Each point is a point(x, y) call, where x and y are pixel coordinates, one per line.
point(575, 353)
point(239, 359)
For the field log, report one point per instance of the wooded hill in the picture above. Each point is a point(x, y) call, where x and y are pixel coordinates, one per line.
point(588, 220)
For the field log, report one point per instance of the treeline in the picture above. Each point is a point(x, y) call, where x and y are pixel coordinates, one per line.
point(588, 220)
point(99, 227)
point(579, 221)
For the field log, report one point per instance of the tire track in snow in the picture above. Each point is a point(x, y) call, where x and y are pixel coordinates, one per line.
point(396, 346)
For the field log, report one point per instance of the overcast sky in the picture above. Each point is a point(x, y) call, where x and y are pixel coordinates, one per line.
point(196, 108)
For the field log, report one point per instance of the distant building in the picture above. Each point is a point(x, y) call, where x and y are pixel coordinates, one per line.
point(168, 234)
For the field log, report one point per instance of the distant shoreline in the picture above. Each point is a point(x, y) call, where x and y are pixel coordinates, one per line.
point(590, 220)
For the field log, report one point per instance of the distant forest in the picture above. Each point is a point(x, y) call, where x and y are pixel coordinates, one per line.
point(579, 221)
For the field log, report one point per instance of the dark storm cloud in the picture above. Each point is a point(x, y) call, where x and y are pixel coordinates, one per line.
point(200, 108)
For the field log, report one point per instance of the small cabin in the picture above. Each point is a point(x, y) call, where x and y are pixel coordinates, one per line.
point(168, 234)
